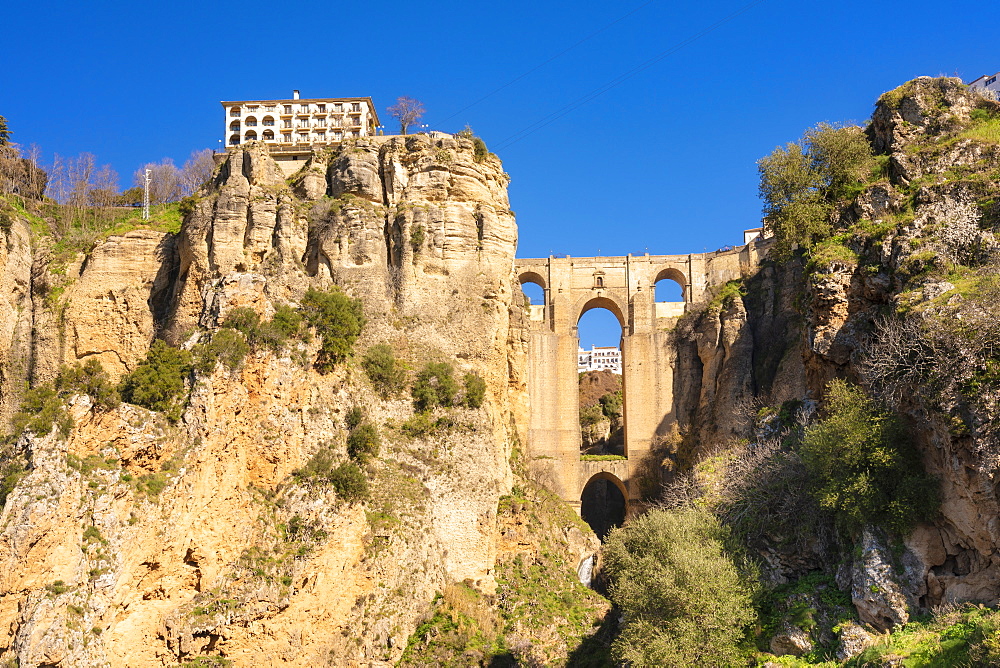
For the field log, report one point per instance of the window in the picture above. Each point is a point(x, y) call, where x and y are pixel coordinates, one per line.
point(338, 107)
point(287, 138)
point(321, 135)
point(269, 107)
point(337, 136)
point(355, 107)
point(288, 108)
point(304, 109)
point(598, 281)
point(288, 123)
point(321, 123)
point(355, 120)
point(235, 111)
point(321, 108)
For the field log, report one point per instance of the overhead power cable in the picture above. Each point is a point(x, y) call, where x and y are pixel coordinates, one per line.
point(597, 92)
point(542, 64)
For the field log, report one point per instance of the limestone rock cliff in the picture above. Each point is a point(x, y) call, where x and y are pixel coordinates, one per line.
point(150, 542)
point(797, 327)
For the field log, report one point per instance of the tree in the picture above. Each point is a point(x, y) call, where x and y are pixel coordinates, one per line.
point(802, 182)
point(4, 132)
point(196, 171)
point(682, 598)
point(435, 386)
point(338, 320)
point(407, 111)
point(164, 181)
point(866, 469)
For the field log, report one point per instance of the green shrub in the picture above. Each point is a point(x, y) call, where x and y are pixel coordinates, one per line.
point(479, 150)
point(226, 345)
point(417, 236)
point(683, 601)
point(40, 410)
point(89, 378)
point(611, 404)
point(475, 390)
point(12, 469)
point(865, 467)
point(363, 442)
point(318, 466)
point(273, 333)
point(244, 320)
point(338, 320)
point(591, 415)
point(435, 386)
point(354, 417)
point(349, 482)
point(158, 382)
point(802, 182)
point(286, 321)
point(385, 372)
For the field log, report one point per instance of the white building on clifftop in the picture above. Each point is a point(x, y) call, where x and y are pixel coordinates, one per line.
point(599, 358)
point(988, 82)
point(293, 128)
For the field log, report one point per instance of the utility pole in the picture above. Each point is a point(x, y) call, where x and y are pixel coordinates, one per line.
point(145, 197)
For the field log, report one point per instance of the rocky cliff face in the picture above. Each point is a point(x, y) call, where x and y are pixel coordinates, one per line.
point(135, 541)
point(915, 241)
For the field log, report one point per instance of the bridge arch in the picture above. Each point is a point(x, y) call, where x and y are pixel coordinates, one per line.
point(612, 302)
point(604, 503)
point(532, 277)
point(677, 276)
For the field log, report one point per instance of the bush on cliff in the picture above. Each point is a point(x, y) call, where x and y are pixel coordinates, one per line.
point(158, 383)
point(385, 372)
point(349, 482)
point(475, 390)
point(435, 386)
point(273, 333)
point(682, 598)
point(865, 468)
point(226, 345)
point(338, 320)
point(40, 410)
point(89, 378)
point(363, 442)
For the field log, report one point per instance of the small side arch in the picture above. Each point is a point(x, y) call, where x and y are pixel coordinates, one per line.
point(677, 276)
point(604, 503)
point(532, 277)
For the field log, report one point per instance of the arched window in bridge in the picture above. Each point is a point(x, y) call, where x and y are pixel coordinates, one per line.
point(598, 281)
point(670, 294)
point(601, 387)
point(602, 505)
point(534, 292)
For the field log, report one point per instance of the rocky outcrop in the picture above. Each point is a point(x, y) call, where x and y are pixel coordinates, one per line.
point(798, 327)
point(152, 543)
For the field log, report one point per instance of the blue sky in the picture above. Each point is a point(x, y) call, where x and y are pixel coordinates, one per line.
point(664, 161)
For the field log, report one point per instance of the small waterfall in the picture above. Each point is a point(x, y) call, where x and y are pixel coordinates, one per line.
point(585, 571)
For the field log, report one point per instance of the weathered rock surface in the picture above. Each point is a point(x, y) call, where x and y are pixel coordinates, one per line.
point(138, 532)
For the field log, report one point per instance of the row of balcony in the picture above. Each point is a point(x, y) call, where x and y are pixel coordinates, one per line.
point(289, 139)
point(287, 109)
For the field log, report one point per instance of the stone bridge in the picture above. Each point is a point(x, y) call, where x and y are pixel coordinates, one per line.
point(626, 287)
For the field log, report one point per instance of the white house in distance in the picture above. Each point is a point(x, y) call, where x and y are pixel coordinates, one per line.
point(990, 82)
point(599, 358)
point(293, 128)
